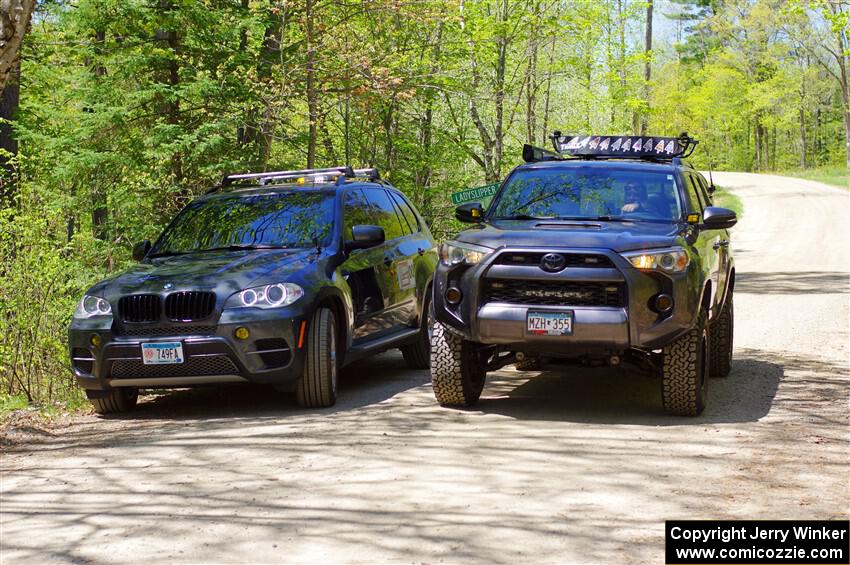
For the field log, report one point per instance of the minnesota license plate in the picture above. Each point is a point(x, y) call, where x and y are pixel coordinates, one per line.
point(549, 323)
point(162, 353)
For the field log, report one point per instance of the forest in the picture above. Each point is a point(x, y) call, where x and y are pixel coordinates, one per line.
point(116, 113)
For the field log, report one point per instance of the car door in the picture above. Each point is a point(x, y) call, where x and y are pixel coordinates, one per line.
point(721, 244)
point(707, 239)
point(410, 248)
point(365, 272)
point(398, 306)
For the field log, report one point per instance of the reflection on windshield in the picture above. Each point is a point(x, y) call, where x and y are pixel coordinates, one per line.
point(293, 219)
point(582, 194)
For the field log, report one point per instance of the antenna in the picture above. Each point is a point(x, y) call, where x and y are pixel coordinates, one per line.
point(711, 187)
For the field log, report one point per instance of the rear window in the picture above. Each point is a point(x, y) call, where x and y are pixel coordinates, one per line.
point(589, 193)
point(289, 219)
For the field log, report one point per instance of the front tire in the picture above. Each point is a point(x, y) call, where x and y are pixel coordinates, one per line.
point(684, 373)
point(457, 375)
point(118, 400)
point(722, 331)
point(417, 355)
point(318, 385)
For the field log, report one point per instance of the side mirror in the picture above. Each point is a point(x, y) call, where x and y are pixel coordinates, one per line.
point(470, 213)
point(141, 249)
point(365, 236)
point(716, 218)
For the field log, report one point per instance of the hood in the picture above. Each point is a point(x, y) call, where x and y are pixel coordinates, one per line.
point(225, 272)
point(616, 236)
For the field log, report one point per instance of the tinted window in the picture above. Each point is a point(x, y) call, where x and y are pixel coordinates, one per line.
point(406, 211)
point(704, 193)
point(693, 192)
point(289, 219)
point(384, 212)
point(589, 192)
point(355, 212)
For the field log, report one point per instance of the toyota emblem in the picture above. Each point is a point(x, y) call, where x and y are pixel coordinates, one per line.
point(553, 262)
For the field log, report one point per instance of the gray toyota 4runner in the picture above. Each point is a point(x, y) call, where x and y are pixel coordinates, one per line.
point(606, 250)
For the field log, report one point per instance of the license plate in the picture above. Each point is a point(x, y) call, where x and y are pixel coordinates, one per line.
point(162, 353)
point(549, 323)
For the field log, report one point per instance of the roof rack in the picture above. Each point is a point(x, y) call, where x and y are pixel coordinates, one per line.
point(616, 146)
point(334, 174)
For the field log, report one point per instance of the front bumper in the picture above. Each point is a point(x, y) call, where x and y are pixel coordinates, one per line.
point(597, 328)
point(271, 354)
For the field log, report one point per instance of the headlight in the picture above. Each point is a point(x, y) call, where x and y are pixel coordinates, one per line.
point(266, 296)
point(91, 306)
point(452, 253)
point(670, 260)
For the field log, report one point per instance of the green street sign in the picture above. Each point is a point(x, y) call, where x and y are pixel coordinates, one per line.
point(475, 194)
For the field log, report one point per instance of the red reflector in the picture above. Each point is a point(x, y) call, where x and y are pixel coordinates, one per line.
point(301, 334)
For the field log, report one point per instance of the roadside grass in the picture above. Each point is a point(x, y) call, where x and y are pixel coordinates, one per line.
point(13, 407)
point(726, 199)
point(836, 176)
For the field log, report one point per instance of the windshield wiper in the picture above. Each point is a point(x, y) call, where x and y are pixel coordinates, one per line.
point(524, 217)
point(240, 247)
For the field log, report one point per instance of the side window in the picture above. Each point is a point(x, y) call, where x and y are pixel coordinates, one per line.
point(692, 193)
point(706, 195)
point(384, 212)
point(407, 212)
point(355, 211)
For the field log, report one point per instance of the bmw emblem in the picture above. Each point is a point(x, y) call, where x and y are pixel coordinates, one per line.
point(167, 286)
point(553, 262)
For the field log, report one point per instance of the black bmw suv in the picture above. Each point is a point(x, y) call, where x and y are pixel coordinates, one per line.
point(608, 249)
point(278, 278)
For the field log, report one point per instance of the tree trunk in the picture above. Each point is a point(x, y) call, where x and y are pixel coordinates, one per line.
point(312, 94)
point(647, 68)
point(531, 85)
point(15, 18)
point(9, 101)
point(841, 57)
point(802, 138)
point(99, 215)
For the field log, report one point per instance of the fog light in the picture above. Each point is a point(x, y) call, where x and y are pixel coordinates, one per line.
point(663, 303)
point(95, 340)
point(242, 333)
point(454, 295)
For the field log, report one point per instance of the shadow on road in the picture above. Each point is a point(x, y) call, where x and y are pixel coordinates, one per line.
point(817, 282)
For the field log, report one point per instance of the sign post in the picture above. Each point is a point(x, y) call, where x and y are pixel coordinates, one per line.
point(475, 194)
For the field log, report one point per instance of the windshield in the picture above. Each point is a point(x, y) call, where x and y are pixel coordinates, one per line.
point(585, 193)
point(289, 219)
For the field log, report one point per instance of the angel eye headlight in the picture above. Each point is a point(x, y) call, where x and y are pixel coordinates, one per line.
point(674, 260)
point(91, 306)
point(453, 253)
point(266, 296)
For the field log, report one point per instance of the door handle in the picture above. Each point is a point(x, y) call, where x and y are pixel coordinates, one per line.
point(721, 243)
point(388, 260)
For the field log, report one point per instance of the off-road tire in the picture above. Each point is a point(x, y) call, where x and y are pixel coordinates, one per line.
point(318, 384)
point(456, 374)
point(722, 331)
point(684, 372)
point(417, 355)
point(529, 364)
point(118, 400)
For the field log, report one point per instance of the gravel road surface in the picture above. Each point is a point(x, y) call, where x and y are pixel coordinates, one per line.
point(582, 467)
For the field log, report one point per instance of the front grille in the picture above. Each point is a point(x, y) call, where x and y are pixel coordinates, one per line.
point(589, 260)
point(138, 308)
point(143, 331)
point(192, 367)
point(189, 306)
point(555, 293)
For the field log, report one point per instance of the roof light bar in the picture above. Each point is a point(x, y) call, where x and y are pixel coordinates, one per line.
point(624, 146)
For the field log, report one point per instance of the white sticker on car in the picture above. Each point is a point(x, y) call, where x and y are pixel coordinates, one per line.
point(406, 280)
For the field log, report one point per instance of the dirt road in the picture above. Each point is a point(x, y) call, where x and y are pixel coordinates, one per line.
point(548, 468)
